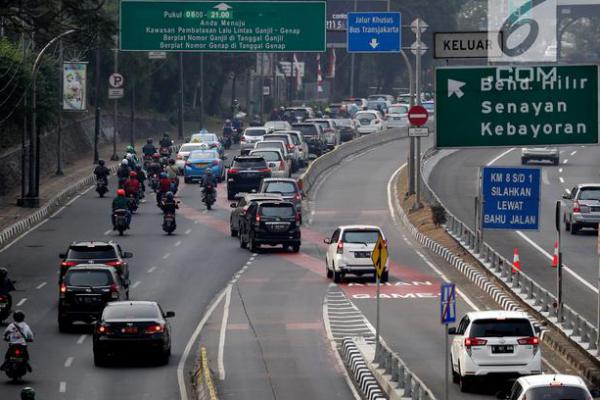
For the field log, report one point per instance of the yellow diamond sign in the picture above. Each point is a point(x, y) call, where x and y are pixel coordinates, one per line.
point(380, 256)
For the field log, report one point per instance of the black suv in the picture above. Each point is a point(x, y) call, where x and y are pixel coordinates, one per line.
point(272, 223)
point(245, 174)
point(108, 253)
point(240, 208)
point(314, 137)
point(85, 290)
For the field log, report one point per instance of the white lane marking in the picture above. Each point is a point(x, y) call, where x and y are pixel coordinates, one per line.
point(167, 255)
point(188, 231)
point(81, 339)
point(151, 270)
point(429, 263)
point(178, 243)
point(188, 347)
point(550, 257)
point(20, 303)
point(107, 232)
point(196, 222)
point(221, 350)
point(565, 161)
point(41, 285)
point(499, 157)
point(574, 152)
point(62, 388)
point(545, 177)
point(68, 362)
point(136, 284)
point(560, 170)
point(560, 178)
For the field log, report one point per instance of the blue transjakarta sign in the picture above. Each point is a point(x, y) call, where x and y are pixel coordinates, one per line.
point(511, 198)
point(374, 32)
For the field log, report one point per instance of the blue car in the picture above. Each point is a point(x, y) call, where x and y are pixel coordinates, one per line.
point(197, 163)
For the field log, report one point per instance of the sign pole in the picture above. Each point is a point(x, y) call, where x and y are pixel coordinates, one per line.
point(447, 316)
point(447, 363)
point(377, 344)
point(411, 156)
point(598, 320)
point(115, 156)
point(559, 291)
point(418, 90)
point(379, 258)
point(181, 117)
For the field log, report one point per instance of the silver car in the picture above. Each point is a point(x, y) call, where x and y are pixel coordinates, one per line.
point(582, 207)
point(288, 188)
point(540, 154)
point(289, 144)
point(250, 137)
point(301, 144)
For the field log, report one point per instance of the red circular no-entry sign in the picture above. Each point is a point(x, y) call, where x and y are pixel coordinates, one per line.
point(418, 115)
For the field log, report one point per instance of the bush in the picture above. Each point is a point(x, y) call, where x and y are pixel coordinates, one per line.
point(438, 215)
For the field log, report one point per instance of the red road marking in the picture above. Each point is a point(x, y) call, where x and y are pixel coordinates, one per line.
point(304, 326)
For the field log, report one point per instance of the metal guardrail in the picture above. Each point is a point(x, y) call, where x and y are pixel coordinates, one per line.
point(581, 331)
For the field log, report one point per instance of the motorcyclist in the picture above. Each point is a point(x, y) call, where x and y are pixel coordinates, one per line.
point(149, 149)
point(281, 113)
point(154, 167)
point(120, 203)
point(168, 204)
point(101, 172)
point(132, 161)
point(123, 172)
point(164, 186)
point(208, 179)
point(27, 393)
point(6, 286)
point(274, 116)
point(256, 121)
point(141, 177)
point(236, 124)
point(172, 173)
point(227, 128)
point(132, 185)
point(18, 333)
point(166, 141)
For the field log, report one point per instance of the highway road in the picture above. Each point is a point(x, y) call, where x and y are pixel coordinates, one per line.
point(454, 179)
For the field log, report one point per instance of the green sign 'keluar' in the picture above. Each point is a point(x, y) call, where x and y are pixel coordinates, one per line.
point(235, 26)
point(516, 106)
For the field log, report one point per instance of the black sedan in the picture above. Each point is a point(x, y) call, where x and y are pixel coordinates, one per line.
point(132, 326)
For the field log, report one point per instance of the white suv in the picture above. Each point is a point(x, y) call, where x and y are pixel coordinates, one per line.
point(250, 137)
point(349, 251)
point(549, 387)
point(494, 342)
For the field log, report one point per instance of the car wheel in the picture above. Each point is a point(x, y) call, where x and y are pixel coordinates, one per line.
point(574, 228)
point(337, 276)
point(567, 224)
point(295, 248)
point(328, 272)
point(385, 276)
point(64, 325)
point(186, 180)
point(232, 232)
point(455, 375)
point(556, 161)
point(242, 242)
point(523, 161)
point(165, 356)
point(99, 359)
point(254, 247)
point(465, 383)
point(230, 196)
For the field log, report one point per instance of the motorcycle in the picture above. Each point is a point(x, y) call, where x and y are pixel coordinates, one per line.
point(169, 223)
point(154, 182)
point(174, 185)
point(226, 141)
point(165, 151)
point(101, 187)
point(120, 217)
point(16, 364)
point(209, 196)
point(133, 203)
point(5, 306)
point(237, 135)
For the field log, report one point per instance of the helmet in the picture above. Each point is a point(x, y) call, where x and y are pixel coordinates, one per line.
point(27, 394)
point(129, 156)
point(19, 316)
point(156, 156)
point(133, 174)
point(130, 149)
point(169, 195)
point(171, 161)
point(227, 121)
point(3, 273)
point(149, 141)
point(124, 162)
point(121, 192)
point(163, 175)
point(281, 108)
point(100, 162)
point(208, 171)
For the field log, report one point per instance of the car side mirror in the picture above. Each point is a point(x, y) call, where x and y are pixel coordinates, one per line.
point(169, 314)
point(62, 255)
point(232, 205)
point(537, 330)
point(503, 394)
point(127, 254)
point(452, 331)
point(566, 196)
point(327, 241)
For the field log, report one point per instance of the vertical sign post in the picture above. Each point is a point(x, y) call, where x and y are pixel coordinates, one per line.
point(559, 291)
point(448, 316)
point(379, 258)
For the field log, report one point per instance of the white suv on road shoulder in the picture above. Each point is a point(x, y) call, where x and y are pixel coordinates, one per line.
point(549, 387)
point(494, 342)
point(349, 251)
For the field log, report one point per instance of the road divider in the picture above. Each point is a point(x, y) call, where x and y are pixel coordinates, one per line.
point(205, 387)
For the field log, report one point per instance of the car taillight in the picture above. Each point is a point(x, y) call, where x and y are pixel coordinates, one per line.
point(298, 218)
point(340, 247)
point(103, 329)
point(157, 328)
point(576, 207)
point(290, 147)
point(281, 165)
point(3, 298)
point(258, 218)
point(17, 352)
point(298, 196)
point(233, 171)
point(242, 139)
point(533, 340)
point(115, 263)
point(473, 341)
point(67, 264)
point(63, 290)
point(114, 291)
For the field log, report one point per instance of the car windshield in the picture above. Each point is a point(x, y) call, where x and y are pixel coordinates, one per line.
point(203, 154)
point(361, 236)
point(295, 138)
point(131, 311)
point(344, 122)
point(276, 124)
point(91, 253)
point(300, 113)
point(190, 147)
point(322, 124)
point(285, 139)
point(204, 138)
point(276, 210)
point(556, 392)
point(518, 327)
point(250, 163)
point(268, 155)
point(367, 116)
point(589, 194)
point(255, 132)
point(285, 188)
point(270, 144)
point(398, 110)
point(307, 130)
point(88, 278)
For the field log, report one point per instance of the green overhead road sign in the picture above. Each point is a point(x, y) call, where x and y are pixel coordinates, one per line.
point(516, 106)
point(233, 26)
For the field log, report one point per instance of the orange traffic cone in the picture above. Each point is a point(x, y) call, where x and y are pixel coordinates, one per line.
point(516, 261)
point(555, 258)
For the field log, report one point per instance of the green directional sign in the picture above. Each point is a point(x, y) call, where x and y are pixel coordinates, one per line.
point(516, 106)
point(233, 26)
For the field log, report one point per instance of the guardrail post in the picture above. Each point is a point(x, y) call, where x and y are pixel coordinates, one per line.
point(577, 326)
point(394, 372)
point(585, 332)
point(416, 391)
point(516, 281)
point(401, 375)
point(546, 302)
point(408, 385)
point(388, 363)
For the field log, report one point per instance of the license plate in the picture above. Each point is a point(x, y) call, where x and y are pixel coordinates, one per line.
point(278, 227)
point(88, 300)
point(503, 349)
point(200, 165)
point(595, 209)
point(131, 330)
point(3, 306)
point(362, 254)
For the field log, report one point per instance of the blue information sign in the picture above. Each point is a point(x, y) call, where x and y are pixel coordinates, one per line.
point(448, 303)
point(374, 32)
point(511, 198)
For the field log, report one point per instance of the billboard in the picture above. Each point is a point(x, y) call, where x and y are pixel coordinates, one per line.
point(336, 22)
point(74, 92)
